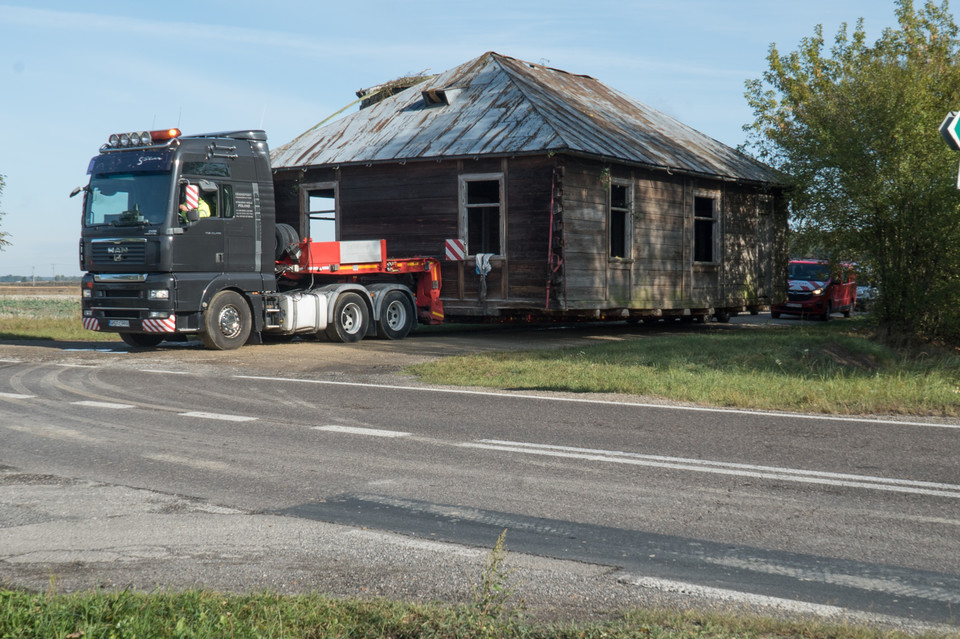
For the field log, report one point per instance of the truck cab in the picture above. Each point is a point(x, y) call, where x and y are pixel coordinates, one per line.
point(818, 289)
point(154, 264)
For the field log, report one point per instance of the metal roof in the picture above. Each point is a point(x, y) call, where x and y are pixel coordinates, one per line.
point(497, 105)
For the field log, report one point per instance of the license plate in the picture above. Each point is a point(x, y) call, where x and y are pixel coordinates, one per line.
point(794, 305)
point(119, 323)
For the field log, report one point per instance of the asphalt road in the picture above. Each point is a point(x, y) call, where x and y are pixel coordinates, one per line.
point(316, 466)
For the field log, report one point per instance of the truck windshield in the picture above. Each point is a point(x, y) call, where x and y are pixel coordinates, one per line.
point(127, 199)
point(809, 272)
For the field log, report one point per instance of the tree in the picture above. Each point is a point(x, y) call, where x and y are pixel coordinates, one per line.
point(856, 130)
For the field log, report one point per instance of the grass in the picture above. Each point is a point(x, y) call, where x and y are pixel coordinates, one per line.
point(46, 317)
point(827, 368)
point(125, 614)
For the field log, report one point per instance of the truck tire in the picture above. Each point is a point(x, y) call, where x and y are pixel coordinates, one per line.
point(827, 313)
point(287, 238)
point(141, 340)
point(226, 322)
point(396, 316)
point(350, 319)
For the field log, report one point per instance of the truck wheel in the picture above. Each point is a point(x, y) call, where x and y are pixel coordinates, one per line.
point(141, 340)
point(723, 316)
point(226, 322)
point(396, 318)
point(774, 315)
point(827, 313)
point(350, 319)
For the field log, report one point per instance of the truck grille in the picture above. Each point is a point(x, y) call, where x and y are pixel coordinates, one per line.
point(117, 252)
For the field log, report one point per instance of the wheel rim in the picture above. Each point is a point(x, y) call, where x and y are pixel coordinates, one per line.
point(351, 318)
point(230, 324)
point(396, 315)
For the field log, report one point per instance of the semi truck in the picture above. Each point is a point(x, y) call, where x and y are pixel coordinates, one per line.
point(179, 241)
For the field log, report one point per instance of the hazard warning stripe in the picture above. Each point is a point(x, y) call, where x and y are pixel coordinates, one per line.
point(91, 323)
point(455, 250)
point(167, 325)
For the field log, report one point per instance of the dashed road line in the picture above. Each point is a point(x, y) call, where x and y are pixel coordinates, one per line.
point(228, 418)
point(94, 404)
point(370, 432)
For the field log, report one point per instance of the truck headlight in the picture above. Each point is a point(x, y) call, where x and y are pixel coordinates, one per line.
point(86, 293)
point(158, 294)
point(818, 291)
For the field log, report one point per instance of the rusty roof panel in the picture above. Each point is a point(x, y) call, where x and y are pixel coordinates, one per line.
point(506, 107)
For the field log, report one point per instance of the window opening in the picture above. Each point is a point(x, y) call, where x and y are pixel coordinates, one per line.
point(322, 214)
point(483, 216)
point(704, 226)
point(619, 216)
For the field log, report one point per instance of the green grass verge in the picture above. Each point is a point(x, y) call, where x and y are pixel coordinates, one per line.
point(208, 614)
point(828, 368)
point(56, 318)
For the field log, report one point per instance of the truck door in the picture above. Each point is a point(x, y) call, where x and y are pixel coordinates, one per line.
point(241, 236)
point(200, 246)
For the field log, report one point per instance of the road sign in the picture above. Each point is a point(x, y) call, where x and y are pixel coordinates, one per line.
point(949, 132)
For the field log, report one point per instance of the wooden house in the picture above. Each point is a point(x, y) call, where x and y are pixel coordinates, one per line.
point(580, 202)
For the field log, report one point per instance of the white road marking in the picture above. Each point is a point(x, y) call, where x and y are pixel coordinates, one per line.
point(163, 372)
point(867, 583)
point(579, 400)
point(372, 432)
point(724, 468)
point(94, 404)
point(15, 396)
point(228, 418)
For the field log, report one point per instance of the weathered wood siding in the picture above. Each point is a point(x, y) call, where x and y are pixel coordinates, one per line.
point(416, 207)
point(659, 271)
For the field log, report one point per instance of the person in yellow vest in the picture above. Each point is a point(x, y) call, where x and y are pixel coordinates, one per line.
point(202, 208)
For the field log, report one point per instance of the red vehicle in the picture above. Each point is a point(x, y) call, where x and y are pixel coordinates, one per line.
point(817, 289)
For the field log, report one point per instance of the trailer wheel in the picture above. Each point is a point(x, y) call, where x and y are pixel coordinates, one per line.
point(723, 316)
point(226, 322)
point(396, 318)
point(141, 340)
point(350, 319)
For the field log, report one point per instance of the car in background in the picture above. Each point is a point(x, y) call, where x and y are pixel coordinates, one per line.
point(817, 289)
point(866, 296)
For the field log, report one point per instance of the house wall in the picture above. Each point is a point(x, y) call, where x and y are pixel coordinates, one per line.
point(659, 273)
point(415, 207)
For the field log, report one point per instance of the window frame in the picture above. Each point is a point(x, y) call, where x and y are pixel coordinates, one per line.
point(714, 221)
point(465, 207)
point(627, 213)
point(308, 216)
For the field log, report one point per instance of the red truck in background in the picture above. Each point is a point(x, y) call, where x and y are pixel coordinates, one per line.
point(819, 290)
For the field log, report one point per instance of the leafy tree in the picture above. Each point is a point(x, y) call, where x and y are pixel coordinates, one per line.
point(855, 128)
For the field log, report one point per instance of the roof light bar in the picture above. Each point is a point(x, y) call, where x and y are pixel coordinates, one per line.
point(141, 138)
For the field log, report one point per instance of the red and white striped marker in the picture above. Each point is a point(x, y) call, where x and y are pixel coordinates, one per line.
point(455, 250)
point(192, 196)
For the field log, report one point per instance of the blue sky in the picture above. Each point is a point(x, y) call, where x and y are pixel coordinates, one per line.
point(71, 73)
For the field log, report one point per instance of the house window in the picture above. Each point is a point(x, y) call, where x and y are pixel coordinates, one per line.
point(481, 213)
point(704, 229)
point(619, 217)
point(321, 208)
